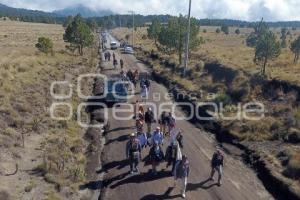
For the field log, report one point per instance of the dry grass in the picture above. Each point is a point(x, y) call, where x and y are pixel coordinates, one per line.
point(25, 79)
point(231, 51)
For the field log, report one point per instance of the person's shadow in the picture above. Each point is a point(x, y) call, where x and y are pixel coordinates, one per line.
point(114, 164)
point(165, 195)
point(141, 178)
point(202, 185)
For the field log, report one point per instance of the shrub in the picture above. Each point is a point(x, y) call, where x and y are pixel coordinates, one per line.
point(218, 30)
point(293, 167)
point(204, 30)
point(237, 31)
point(199, 66)
point(144, 37)
point(294, 136)
point(223, 98)
point(225, 29)
point(44, 45)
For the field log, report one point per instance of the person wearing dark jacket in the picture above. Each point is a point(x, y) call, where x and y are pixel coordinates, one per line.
point(149, 119)
point(133, 153)
point(182, 171)
point(121, 63)
point(163, 122)
point(147, 83)
point(156, 155)
point(130, 75)
point(217, 163)
point(179, 139)
point(173, 154)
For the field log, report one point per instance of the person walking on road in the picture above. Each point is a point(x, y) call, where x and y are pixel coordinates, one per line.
point(173, 154)
point(182, 171)
point(179, 139)
point(130, 75)
point(217, 163)
point(147, 83)
point(136, 77)
point(163, 122)
point(156, 155)
point(144, 93)
point(139, 125)
point(133, 153)
point(115, 63)
point(149, 119)
point(121, 63)
point(171, 123)
point(142, 137)
point(157, 137)
point(108, 55)
point(105, 56)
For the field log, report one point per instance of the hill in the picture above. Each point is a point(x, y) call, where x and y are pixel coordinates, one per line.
point(83, 10)
point(29, 15)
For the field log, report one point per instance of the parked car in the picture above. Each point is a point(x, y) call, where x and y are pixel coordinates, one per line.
point(113, 45)
point(128, 50)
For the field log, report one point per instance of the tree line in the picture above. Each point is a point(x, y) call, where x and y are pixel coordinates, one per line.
point(172, 36)
point(268, 47)
point(112, 21)
point(264, 41)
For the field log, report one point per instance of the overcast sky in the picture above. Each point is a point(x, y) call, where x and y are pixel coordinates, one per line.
point(251, 10)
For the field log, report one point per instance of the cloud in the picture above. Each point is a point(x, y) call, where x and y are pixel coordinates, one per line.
point(271, 10)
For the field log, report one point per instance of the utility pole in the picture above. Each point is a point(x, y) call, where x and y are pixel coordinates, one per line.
point(132, 28)
point(186, 59)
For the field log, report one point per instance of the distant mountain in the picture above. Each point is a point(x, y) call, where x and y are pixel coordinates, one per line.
point(18, 12)
point(83, 10)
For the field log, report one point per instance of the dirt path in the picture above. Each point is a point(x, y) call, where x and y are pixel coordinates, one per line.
point(239, 181)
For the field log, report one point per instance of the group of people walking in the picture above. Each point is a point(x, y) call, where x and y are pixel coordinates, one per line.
point(107, 57)
point(165, 133)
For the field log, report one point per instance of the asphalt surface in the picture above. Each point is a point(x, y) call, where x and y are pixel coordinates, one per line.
point(239, 181)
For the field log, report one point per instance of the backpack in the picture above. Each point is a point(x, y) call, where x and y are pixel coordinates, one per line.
point(135, 149)
point(135, 145)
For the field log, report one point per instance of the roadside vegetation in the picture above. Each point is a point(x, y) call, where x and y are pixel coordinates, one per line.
point(45, 157)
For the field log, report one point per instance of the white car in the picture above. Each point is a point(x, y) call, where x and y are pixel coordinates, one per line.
point(128, 50)
point(113, 45)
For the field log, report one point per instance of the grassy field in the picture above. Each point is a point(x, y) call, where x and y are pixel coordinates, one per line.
point(53, 156)
point(230, 50)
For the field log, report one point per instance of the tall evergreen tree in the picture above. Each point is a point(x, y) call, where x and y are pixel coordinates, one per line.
point(78, 34)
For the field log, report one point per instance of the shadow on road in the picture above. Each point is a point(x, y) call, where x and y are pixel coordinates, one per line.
point(166, 195)
point(141, 178)
point(107, 182)
point(121, 129)
point(119, 164)
point(196, 186)
point(93, 185)
point(122, 138)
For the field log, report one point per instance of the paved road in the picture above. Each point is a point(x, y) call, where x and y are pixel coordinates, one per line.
point(239, 181)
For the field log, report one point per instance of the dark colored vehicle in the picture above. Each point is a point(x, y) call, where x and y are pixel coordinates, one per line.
point(116, 92)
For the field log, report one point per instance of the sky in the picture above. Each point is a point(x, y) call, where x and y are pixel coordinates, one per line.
point(250, 10)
